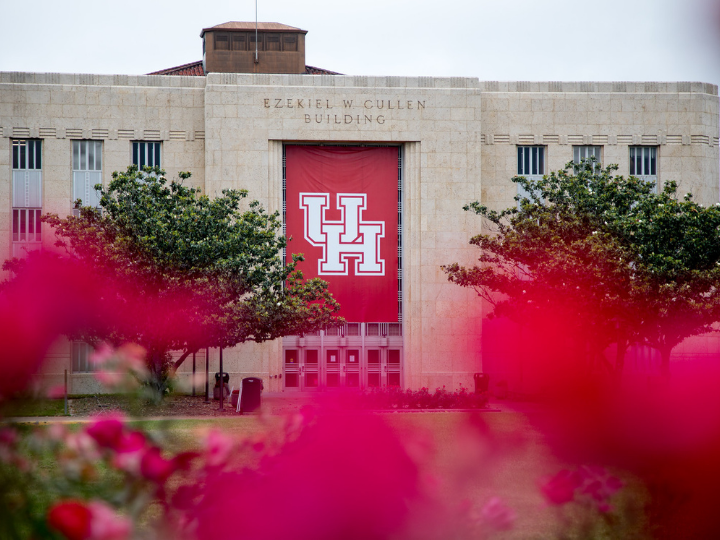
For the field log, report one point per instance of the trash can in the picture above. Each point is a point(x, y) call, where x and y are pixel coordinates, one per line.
point(225, 389)
point(250, 392)
point(234, 396)
point(482, 381)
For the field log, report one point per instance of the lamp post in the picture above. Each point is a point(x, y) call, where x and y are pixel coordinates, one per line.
point(222, 381)
point(207, 374)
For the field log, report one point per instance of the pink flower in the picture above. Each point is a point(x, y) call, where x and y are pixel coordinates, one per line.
point(105, 524)
point(109, 378)
point(599, 486)
point(82, 444)
point(57, 432)
point(497, 515)
point(184, 460)
point(217, 448)
point(77, 520)
point(128, 462)
point(131, 441)
point(560, 489)
point(107, 431)
point(156, 468)
point(8, 436)
point(133, 356)
point(102, 354)
point(71, 518)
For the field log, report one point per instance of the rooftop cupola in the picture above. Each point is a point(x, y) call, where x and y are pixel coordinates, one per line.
point(243, 47)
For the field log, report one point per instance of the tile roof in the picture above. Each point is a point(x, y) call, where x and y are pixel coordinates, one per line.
point(196, 69)
point(193, 69)
point(312, 70)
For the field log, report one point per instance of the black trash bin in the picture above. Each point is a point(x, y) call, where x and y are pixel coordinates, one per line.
point(482, 381)
point(250, 392)
point(225, 389)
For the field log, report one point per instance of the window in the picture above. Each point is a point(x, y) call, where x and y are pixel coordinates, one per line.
point(239, 42)
point(581, 153)
point(221, 42)
point(87, 171)
point(81, 352)
point(531, 160)
point(531, 164)
point(146, 153)
point(26, 224)
point(26, 195)
point(291, 357)
point(290, 43)
point(643, 163)
point(272, 42)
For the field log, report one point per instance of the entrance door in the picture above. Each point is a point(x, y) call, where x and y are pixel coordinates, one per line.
point(332, 368)
point(373, 368)
point(393, 367)
point(292, 369)
point(311, 370)
point(352, 368)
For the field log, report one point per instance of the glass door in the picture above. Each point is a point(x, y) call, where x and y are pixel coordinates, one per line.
point(373, 368)
point(311, 374)
point(332, 368)
point(352, 368)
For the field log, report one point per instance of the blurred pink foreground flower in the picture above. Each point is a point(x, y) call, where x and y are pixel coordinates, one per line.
point(76, 520)
point(595, 484)
point(560, 489)
point(497, 515)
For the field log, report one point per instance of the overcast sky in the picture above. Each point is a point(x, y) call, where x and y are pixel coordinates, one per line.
point(657, 40)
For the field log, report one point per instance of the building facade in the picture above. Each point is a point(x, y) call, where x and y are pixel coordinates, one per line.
point(457, 140)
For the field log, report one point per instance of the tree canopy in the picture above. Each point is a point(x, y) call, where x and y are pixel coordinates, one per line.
point(186, 271)
point(605, 257)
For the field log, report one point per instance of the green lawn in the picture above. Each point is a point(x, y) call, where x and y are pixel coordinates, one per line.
point(32, 407)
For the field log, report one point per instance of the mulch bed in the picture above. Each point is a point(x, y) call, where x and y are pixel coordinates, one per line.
point(171, 406)
point(188, 406)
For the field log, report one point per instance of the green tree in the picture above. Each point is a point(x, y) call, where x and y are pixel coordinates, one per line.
point(604, 257)
point(186, 271)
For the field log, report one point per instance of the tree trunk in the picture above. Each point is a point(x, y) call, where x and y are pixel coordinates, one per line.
point(665, 361)
point(182, 358)
point(156, 360)
point(622, 346)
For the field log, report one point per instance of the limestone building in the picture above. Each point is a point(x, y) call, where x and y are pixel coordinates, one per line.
point(236, 119)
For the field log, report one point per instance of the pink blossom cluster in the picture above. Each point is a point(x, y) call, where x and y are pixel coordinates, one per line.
point(77, 520)
point(588, 483)
point(146, 466)
point(9, 453)
point(120, 368)
point(497, 516)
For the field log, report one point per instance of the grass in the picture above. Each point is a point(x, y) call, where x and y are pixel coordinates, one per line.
point(23, 407)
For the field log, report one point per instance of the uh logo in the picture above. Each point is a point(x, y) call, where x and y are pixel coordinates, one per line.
point(348, 238)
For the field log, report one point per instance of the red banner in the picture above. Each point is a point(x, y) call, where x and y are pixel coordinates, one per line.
point(342, 214)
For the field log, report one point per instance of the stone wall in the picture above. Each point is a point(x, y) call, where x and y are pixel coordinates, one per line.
point(458, 139)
